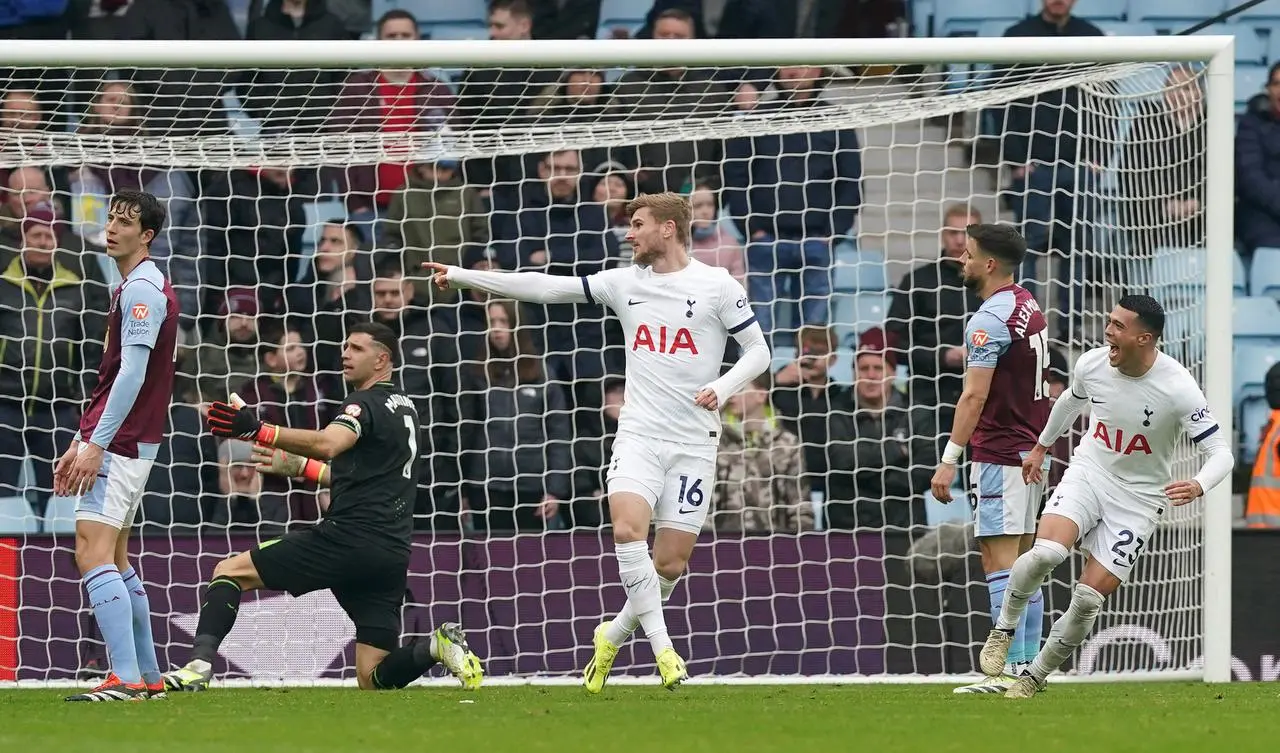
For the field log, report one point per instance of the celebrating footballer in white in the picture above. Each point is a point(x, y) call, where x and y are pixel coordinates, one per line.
point(677, 314)
point(1119, 483)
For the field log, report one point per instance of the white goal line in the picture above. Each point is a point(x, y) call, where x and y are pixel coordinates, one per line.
point(561, 681)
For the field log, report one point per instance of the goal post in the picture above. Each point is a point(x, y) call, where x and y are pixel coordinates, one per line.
point(778, 607)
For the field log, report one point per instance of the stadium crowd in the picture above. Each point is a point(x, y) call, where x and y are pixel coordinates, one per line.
point(519, 403)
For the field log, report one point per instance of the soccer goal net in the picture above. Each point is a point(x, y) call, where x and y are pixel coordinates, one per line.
point(305, 184)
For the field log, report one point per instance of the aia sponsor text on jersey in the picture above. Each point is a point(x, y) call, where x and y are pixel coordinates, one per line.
point(664, 339)
point(1116, 441)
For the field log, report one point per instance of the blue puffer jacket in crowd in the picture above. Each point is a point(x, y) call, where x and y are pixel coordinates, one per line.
point(794, 185)
point(1258, 175)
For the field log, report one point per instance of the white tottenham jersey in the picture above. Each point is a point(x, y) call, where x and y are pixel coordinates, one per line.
point(676, 327)
point(1135, 423)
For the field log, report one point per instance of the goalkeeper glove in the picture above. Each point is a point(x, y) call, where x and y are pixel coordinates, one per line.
point(226, 420)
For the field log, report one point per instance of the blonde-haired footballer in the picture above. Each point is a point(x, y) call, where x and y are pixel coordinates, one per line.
point(677, 314)
point(1119, 484)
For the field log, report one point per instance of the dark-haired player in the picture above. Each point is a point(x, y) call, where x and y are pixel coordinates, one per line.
point(368, 456)
point(1141, 402)
point(1000, 414)
point(110, 458)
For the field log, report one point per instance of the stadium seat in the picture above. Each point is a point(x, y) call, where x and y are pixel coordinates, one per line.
point(782, 355)
point(1254, 413)
point(1264, 273)
point(1184, 334)
point(1256, 318)
point(1249, 369)
point(16, 516)
point(1240, 278)
point(1125, 28)
point(994, 28)
point(429, 12)
point(1177, 274)
point(1250, 80)
point(448, 31)
point(861, 270)
point(606, 27)
point(956, 17)
point(1173, 16)
point(318, 213)
point(1250, 50)
point(855, 313)
point(60, 515)
point(625, 8)
point(1095, 10)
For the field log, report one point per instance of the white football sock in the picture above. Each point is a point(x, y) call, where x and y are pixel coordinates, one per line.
point(621, 627)
point(1025, 578)
point(640, 580)
point(1068, 632)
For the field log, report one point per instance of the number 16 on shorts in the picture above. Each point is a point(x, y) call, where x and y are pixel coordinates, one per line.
point(685, 504)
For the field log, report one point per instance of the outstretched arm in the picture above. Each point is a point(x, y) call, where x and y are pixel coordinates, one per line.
point(228, 420)
point(531, 287)
point(273, 461)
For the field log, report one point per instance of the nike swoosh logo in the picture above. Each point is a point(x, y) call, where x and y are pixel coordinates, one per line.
point(632, 303)
point(1096, 401)
point(686, 512)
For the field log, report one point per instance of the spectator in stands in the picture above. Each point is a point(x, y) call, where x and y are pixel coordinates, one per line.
point(48, 346)
point(182, 101)
point(473, 319)
point(516, 433)
point(648, 94)
point(580, 97)
point(391, 100)
point(613, 189)
point(25, 187)
point(592, 454)
point(253, 221)
point(20, 110)
point(565, 19)
point(116, 111)
point(489, 98)
point(428, 373)
point(248, 500)
point(1258, 168)
point(816, 410)
point(548, 227)
point(759, 486)
point(713, 243)
point(228, 356)
point(297, 100)
point(339, 264)
point(891, 448)
point(1163, 169)
point(1049, 165)
point(287, 393)
point(1060, 453)
point(433, 219)
point(793, 197)
point(927, 314)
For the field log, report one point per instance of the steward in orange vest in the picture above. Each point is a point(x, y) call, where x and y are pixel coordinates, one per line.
point(1263, 507)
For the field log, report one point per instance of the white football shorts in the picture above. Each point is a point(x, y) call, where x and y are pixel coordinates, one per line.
point(1003, 504)
point(1116, 524)
point(676, 479)
point(116, 493)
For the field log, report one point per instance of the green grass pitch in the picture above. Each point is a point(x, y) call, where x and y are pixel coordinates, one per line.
point(873, 718)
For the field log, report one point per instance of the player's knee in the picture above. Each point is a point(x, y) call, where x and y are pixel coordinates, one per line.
point(1086, 602)
point(626, 530)
point(669, 566)
point(234, 568)
point(1045, 555)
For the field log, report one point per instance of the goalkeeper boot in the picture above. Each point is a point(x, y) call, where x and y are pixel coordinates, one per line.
point(597, 671)
point(672, 669)
point(192, 678)
point(113, 689)
point(988, 685)
point(1026, 686)
point(449, 647)
point(995, 652)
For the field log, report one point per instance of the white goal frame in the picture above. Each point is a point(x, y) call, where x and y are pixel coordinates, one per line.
point(1215, 51)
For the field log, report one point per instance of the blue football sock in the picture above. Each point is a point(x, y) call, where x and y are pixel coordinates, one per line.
point(143, 643)
point(996, 584)
point(1032, 626)
point(114, 612)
